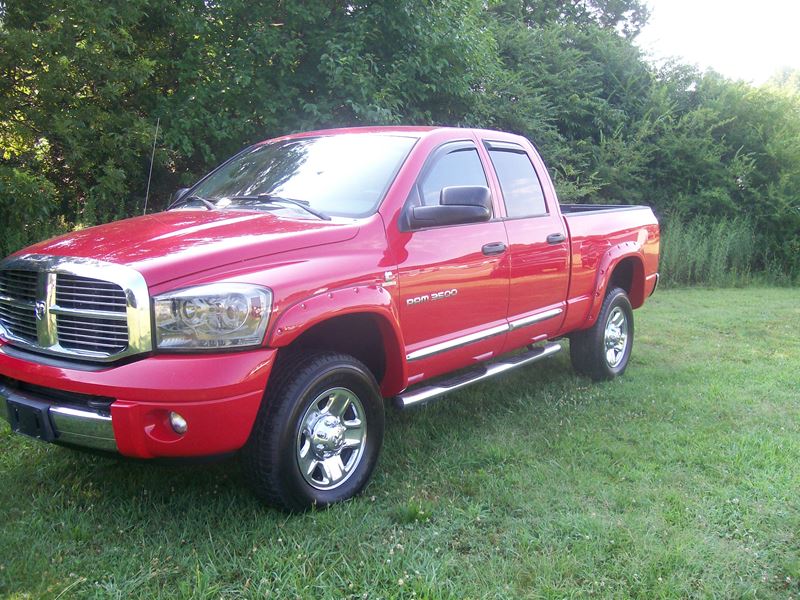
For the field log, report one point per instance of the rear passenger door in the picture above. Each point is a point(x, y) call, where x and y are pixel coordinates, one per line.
point(453, 279)
point(538, 244)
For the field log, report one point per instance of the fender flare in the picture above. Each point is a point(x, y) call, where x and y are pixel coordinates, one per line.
point(372, 300)
point(605, 268)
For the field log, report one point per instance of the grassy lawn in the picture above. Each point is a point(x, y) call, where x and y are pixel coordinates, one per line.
point(682, 479)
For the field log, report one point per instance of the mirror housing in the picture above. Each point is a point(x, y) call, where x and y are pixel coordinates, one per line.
point(179, 194)
point(466, 195)
point(458, 205)
point(452, 214)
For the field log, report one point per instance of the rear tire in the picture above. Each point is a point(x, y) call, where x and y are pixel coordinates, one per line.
point(318, 433)
point(602, 352)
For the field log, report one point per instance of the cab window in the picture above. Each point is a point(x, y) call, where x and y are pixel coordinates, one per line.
point(522, 190)
point(460, 167)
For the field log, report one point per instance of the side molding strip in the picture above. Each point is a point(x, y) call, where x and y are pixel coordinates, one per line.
point(481, 335)
point(530, 320)
point(455, 343)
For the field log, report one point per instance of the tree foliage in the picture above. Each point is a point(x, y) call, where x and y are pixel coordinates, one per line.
point(84, 82)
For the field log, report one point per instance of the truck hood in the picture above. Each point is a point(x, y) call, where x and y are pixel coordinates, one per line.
point(174, 244)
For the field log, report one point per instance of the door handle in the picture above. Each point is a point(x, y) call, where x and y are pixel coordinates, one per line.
point(556, 238)
point(493, 248)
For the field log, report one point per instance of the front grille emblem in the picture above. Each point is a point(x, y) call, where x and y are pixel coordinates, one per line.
point(39, 310)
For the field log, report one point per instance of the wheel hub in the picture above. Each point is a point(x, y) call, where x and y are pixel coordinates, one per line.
point(615, 337)
point(327, 436)
point(331, 438)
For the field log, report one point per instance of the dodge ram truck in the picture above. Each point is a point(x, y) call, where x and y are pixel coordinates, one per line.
point(280, 303)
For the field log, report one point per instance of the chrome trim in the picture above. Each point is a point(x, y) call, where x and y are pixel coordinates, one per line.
point(137, 313)
point(429, 392)
point(48, 326)
point(531, 319)
point(83, 428)
point(615, 337)
point(14, 302)
point(455, 343)
point(331, 439)
point(78, 312)
point(658, 278)
point(480, 335)
point(72, 425)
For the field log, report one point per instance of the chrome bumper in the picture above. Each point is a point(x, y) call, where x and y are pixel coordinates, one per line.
point(70, 425)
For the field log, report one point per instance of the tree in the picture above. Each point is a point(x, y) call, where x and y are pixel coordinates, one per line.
point(84, 82)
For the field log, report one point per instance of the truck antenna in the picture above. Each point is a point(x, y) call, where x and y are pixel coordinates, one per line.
point(150, 175)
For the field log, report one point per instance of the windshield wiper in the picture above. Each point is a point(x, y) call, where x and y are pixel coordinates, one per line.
point(270, 199)
point(187, 199)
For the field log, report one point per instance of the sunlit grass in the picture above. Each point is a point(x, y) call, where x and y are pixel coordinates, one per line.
point(679, 480)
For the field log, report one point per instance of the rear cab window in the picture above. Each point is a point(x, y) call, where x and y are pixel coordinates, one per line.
point(522, 190)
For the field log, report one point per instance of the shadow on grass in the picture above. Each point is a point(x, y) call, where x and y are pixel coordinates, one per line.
point(121, 493)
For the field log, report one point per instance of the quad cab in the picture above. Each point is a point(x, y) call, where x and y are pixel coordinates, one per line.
point(280, 302)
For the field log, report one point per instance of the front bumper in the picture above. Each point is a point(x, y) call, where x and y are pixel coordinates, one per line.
point(125, 408)
point(64, 424)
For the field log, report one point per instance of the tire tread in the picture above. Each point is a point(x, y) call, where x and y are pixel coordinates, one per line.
point(586, 346)
point(261, 455)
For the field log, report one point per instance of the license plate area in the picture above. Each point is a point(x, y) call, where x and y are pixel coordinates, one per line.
point(31, 418)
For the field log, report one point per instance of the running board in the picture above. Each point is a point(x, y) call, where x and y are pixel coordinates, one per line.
point(425, 393)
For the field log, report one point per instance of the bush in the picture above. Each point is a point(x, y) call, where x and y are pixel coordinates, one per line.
point(27, 209)
point(84, 83)
point(716, 252)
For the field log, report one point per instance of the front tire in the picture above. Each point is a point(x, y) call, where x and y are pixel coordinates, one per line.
point(602, 352)
point(318, 434)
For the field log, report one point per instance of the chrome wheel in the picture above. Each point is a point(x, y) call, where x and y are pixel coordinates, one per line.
point(331, 439)
point(616, 337)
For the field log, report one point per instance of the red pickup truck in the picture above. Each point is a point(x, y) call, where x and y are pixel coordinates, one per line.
point(278, 303)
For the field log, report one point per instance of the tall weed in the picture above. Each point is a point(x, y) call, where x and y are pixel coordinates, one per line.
point(706, 251)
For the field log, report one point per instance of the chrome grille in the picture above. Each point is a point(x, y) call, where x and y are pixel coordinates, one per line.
point(17, 302)
point(74, 307)
point(83, 329)
point(95, 335)
point(83, 293)
point(18, 284)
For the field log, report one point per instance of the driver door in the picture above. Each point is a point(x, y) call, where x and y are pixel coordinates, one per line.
point(453, 280)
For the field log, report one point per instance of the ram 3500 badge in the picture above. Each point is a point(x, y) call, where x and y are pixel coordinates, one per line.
point(432, 296)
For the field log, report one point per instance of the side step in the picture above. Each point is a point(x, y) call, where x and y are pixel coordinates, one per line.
point(428, 392)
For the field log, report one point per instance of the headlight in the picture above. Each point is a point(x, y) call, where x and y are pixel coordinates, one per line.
point(220, 315)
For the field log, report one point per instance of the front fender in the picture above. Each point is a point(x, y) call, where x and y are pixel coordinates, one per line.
point(372, 300)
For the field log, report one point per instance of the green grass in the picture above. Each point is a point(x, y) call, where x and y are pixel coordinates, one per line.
point(679, 480)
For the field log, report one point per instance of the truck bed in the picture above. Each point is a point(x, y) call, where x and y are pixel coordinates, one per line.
point(578, 209)
point(594, 230)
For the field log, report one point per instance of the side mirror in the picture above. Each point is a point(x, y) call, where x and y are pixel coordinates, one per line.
point(458, 205)
point(179, 194)
point(466, 195)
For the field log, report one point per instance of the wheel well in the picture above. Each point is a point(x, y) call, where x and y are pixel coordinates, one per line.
point(629, 275)
point(357, 335)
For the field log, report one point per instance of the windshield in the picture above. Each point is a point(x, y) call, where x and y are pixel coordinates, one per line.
point(343, 175)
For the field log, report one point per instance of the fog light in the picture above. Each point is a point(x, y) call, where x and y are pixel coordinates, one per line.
point(179, 424)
